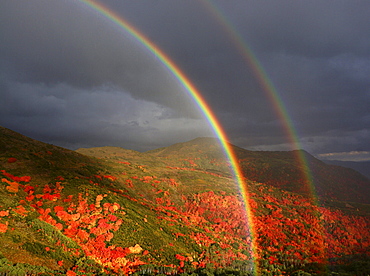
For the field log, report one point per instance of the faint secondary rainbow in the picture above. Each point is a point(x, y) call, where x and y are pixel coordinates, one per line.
point(192, 91)
point(268, 88)
point(266, 85)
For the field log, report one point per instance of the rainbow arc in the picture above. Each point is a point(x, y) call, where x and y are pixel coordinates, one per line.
point(251, 60)
point(271, 95)
point(193, 92)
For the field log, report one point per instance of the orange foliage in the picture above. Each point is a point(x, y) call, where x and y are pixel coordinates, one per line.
point(13, 186)
point(71, 273)
point(4, 213)
point(110, 177)
point(21, 210)
point(3, 227)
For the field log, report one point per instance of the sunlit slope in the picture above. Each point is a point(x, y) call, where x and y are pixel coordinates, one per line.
point(61, 210)
point(202, 153)
point(120, 211)
point(201, 179)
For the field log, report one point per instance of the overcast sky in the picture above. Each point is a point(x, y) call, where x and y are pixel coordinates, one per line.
point(71, 77)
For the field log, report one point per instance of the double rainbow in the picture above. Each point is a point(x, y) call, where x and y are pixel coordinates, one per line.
point(272, 95)
point(194, 93)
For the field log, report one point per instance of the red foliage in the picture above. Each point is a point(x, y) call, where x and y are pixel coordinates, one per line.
point(180, 257)
point(79, 222)
point(126, 163)
point(305, 234)
point(129, 183)
point(58, 209)
point(16, 178)
point(12, 160)
point(68, 199)
point(86, 219)
point(179, 234)
point(29, 189)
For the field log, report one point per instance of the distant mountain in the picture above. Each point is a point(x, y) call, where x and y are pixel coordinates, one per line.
point(362, 167)
point(281, 169)
point(171, 211)
point(203, 153)
point(285, 170)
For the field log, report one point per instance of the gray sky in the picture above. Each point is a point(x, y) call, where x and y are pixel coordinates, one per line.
point(71, 77)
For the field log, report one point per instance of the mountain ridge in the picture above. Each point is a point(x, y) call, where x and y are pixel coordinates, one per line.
point(277, 168)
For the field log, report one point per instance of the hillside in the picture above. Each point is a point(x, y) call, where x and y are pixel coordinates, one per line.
point(122, 212)
point(281, 169)
point(361, 166)
point(202, 153)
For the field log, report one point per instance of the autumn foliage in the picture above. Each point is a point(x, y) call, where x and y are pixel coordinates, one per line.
point(285, 232)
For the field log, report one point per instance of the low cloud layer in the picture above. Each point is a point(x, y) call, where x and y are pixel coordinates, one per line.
point(346, 156)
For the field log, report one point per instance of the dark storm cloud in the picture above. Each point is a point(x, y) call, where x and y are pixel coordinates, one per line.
point(316, 54)
point(304, 28)
point(55, 42)
point(75, 117)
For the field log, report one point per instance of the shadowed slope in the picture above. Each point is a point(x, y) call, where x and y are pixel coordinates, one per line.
point(361, 166)
point(277, 168)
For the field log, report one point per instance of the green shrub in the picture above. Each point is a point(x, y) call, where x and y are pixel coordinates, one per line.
point(35, 248)
point(20, 269)
point(52, 234)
